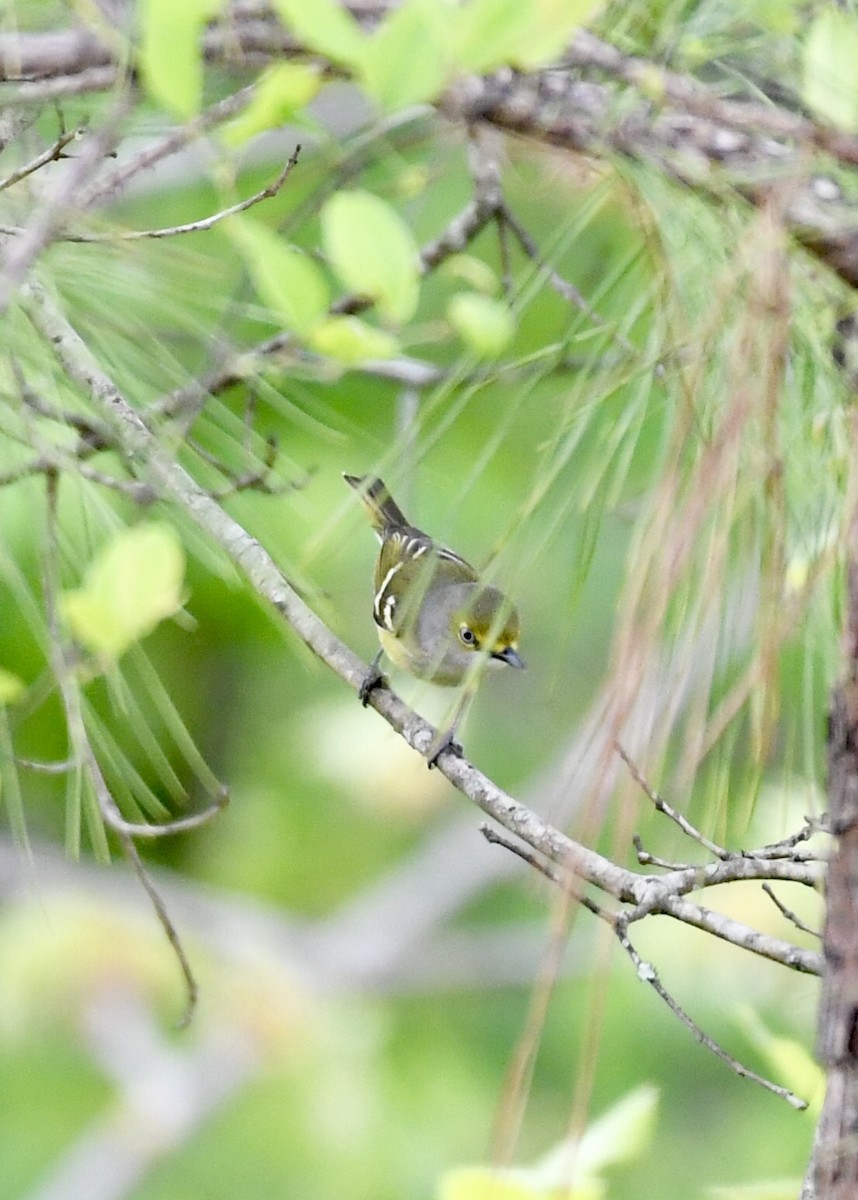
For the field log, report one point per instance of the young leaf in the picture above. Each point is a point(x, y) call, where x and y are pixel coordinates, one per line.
point(170, 55)
point(352, 341)
point(373, 252)
point(571, 1170)
point(287, 280)
point(134, 583)
point(489, 33)
point(281, 91)
point(618, 1135)
point(324, 26)
point(830, 68)
point(11, 687)
point(406, 61)
point(486, 325)
point(488, 1183)
point(475, 272)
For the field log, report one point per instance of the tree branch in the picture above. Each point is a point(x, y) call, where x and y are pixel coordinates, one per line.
point(648, 894)
point(690, 133)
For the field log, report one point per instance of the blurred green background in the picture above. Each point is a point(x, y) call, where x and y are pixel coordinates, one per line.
point(367, 962)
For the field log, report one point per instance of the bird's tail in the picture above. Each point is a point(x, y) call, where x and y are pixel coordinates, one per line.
point(382, 509)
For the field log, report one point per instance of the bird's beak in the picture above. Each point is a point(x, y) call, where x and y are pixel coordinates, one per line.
point(511, 657)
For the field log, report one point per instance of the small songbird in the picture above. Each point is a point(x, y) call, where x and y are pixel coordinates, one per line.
point(435, 617)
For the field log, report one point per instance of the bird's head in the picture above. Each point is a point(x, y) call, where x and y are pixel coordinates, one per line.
point(488, 624)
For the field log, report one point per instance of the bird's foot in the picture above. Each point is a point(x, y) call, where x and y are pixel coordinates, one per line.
point(373, 679)
point(443, 743)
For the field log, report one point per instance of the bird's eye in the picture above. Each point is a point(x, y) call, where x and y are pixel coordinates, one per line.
point(467, 635)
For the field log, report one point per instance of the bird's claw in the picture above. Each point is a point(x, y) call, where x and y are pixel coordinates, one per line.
point(443, 744)
point(373, 679)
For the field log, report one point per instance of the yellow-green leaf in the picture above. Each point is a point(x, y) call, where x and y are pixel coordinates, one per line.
point(486, 325)
point(773, 1189)
point(352, 341)
point(281, 91)
point(11, 687)
point(170, 55)
point(287, 280)
point(789, 1059)
point(373, 252)
point(324, 26)
point(134, 583)
point(830, 67)
point(489, 33)
point(475, 272)
point(485, 1183)
point(621, 1133)
point(570, 1170)
point(406, 62)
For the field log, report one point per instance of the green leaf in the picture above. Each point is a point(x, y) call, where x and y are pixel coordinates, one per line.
point(618, 1135)
point(406, 61)
point(830, 68)
point(132, 585)
point(11, 687)
point(788, 1059)
point(486, 325)
point(571, 1170)
point(170, 56)
point(489, 33)
point(281, 91)
point(487, 1183)
point(287, 280)
point(373, 252)
point(473, 271)
point(352, 341)
point(324, 26)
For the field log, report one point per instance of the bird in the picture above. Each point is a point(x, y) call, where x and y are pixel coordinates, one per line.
point(435, 617)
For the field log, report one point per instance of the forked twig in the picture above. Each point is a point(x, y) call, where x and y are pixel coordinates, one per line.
point(661, 805)
point(645, 971)
point(168, 231)
point(52, 154)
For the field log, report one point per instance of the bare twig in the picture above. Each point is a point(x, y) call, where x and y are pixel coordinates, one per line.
point(661, 805)
point(54, 211)
point(647, 973)
point(256, 478)
point(141, 493)
point(168, 231)
point(37, 91)
point(788, 913)
point(787, 847)
point(111, 184)
point(494, 838)
point(653, 860)
point(560, 285)
point(95, 436)
point(52, 154)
